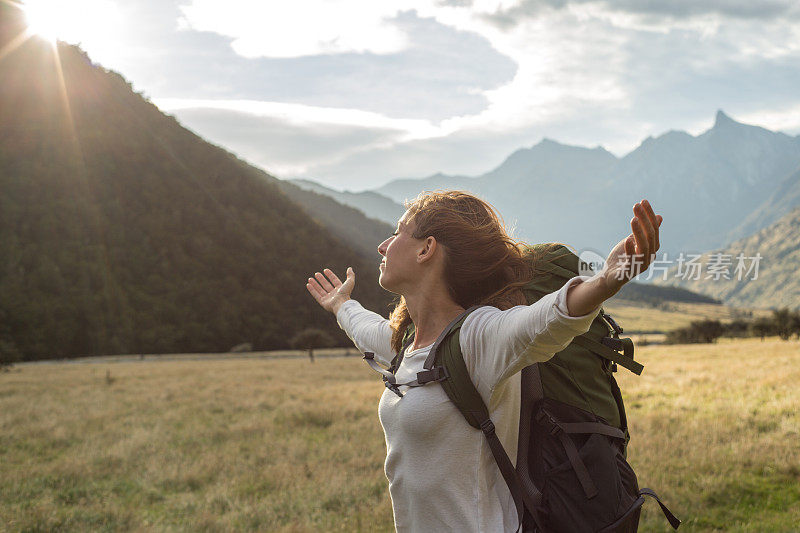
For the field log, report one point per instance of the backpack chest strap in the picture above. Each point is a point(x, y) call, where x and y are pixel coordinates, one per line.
point(430, 373)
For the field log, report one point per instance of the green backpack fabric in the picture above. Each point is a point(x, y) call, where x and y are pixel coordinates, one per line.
point(571, 474)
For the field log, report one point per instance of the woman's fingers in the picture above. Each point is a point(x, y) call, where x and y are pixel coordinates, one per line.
point(638, 249)
point(315, 290)
point(655, 220)
point(323, 281)
point(333, 277)
point(649, 230)
point(630, 244)
point(651, 214)
point(638, 233)
point(317, 287)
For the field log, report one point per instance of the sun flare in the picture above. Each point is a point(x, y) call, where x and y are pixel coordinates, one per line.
point(41, 20)
point(92, 23)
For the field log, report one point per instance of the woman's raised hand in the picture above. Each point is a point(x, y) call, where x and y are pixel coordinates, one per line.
point(329, 291)
point(633, 254)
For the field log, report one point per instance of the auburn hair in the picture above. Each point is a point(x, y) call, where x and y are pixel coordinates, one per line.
point(483, 264)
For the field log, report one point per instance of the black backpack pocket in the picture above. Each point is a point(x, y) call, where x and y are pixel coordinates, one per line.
point(587, 485)
point(629, 522)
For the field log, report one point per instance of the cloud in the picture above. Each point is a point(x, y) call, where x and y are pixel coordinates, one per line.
point(303, 115)
point(785, 119)
point(460, 91)
point(292, 139)
point(740, 9)
point(353, 149)
point(299, 28)
point(567, 52)
point(648, 12)
point(443, 73)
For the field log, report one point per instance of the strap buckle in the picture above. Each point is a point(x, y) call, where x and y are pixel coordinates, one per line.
point(392, 387)
point(614, 344)
point(439, 373)
point(617, 328)
point(546, 419)
point(487, 426)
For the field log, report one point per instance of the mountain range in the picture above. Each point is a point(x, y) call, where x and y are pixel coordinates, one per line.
point(728, 182)
point(729, 186)
point(374, 205)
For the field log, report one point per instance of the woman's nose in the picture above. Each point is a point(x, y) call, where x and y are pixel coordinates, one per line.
point(382, 246)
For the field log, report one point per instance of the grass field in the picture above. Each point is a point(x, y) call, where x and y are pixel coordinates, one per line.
point(286, 445)
point(637, 318)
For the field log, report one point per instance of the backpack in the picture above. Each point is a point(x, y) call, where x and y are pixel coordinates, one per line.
point(571, 471)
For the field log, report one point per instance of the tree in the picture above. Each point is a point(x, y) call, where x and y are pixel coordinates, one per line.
point(782, 322)
point(762, 327)
point(795, 324)
point(709, 330)
point(310, 339)
point(737, 328)
point(698, 331)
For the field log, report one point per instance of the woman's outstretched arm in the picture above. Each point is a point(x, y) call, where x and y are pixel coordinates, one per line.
point(369, 331)
point(497, 344)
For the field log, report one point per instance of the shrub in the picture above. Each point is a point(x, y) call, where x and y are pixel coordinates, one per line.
point(699, 331)
point(311, 339)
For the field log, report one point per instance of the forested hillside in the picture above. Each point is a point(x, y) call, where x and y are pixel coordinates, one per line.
point(347, 223)
point(123, 232)
point(373, 205)
point(649, 294)
point(757, 271)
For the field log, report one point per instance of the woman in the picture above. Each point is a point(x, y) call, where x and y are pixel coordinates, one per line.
point(450, 252)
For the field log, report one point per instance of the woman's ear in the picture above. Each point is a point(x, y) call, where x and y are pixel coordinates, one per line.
point(427, 250)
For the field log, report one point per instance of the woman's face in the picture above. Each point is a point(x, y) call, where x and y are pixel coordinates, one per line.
point(399, 251)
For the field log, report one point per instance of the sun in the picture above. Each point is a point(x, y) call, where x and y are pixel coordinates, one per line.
point(89, 22)
point(42, 19)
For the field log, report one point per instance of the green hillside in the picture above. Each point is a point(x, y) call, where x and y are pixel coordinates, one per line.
point(652, 295)
point(373, 205)
point(348, 223)
point(123, 232)
point(776, 284)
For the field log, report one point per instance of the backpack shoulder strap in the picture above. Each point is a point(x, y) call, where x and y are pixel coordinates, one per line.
point(462, 392)
point(458, 385)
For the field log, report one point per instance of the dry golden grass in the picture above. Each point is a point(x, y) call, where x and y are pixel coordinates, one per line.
point(716, 429)
point(285, 445)
point(279, 445)
point(637, 318)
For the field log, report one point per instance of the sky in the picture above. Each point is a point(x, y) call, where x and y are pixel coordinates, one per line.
point(354, 93)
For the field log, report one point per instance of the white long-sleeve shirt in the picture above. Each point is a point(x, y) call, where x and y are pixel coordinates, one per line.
point(442, 475)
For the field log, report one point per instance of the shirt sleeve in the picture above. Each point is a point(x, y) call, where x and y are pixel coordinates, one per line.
point(497, 344)
point(369, 331)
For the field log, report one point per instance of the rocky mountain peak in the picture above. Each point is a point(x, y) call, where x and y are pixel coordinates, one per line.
point(722, 120)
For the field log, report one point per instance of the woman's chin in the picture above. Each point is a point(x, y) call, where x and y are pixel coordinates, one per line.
point(383, 282)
